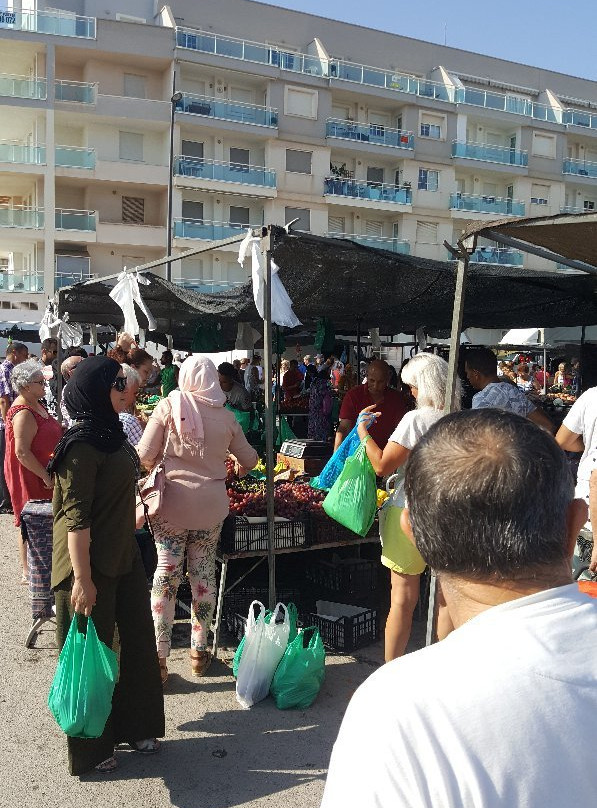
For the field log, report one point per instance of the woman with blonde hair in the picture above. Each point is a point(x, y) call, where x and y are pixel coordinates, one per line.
point(193, 432)
point(426, 375)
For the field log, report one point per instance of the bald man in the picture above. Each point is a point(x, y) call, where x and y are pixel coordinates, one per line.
point(392, 404)
point(67, 368)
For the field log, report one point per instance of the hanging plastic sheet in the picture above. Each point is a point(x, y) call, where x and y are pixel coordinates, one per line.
point(125, 294)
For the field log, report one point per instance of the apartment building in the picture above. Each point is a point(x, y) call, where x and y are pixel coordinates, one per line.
point(277, 115)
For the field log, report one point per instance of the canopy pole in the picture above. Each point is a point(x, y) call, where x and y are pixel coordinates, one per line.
point(59, 357)
point(358, 360)
point(464, 251)
point(544, 361)
point(269, 414)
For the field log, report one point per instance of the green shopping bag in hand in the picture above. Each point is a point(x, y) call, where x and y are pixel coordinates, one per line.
point(352, 500)
point(301, 671)
point(80, 697)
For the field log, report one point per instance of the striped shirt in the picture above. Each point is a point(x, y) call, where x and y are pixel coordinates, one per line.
point(6, 390)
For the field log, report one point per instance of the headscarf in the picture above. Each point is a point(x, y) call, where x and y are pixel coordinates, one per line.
point(87, 400)
point(198, 383)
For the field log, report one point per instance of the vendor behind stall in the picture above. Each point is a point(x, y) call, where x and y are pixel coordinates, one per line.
point(391, 404)
point(236, 395)
point(292, 381)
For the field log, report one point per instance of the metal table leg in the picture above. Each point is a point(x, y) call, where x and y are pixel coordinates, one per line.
point(219, 607)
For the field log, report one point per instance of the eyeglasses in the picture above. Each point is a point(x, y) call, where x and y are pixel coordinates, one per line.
point(120, 384)
point(37, 381)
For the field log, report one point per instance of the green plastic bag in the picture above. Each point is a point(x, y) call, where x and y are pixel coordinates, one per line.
point(80, 697)
point(301, 671)
point(293, 618)
point(352, 500)
point(243, 418)
point(284, 432)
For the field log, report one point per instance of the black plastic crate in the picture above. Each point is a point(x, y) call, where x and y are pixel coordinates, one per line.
point(325, 530)
point(241, 597)
point(344, 627)
point(242, 536)
point(182, 609)
point(354, 577)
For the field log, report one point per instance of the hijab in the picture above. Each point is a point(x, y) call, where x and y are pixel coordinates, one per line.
point(87, 400)
point(198, 384)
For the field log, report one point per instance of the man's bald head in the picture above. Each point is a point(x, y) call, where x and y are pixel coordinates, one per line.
point(378, 378)
point(69, 364)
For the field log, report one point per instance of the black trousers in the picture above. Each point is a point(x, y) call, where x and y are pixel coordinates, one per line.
point(138, 701)
point(5, 500)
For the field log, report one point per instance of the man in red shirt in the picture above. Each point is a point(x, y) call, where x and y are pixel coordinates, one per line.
point(392, 405)
point(292, 381)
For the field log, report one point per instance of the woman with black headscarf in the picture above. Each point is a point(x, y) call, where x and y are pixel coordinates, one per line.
point(96, 566)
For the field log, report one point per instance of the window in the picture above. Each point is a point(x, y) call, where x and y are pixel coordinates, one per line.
point(192, 210)
point(374, 175)
point(431, 125)
point(242, 95)
point(427, 232)
point(398, 176)
point(192, 148)
point(428, 180)
point(133, 210)
point(399, 122)
point(302, 214)
point(341, 113)
point(544, 145)
point(588, 204)
point(336, 224)
point(299, 162)
point(300, 102)
point(134, 86)
point(130, 146)
point(239, 215)
point(539, 194)
point(373, 228)
point(240, 158)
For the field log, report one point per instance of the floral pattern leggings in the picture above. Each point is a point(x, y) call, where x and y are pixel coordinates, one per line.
point(200, 546)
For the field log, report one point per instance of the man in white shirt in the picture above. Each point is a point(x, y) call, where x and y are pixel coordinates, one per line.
point(501, 713)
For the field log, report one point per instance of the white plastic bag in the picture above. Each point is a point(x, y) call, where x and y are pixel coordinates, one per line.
point(264, 647)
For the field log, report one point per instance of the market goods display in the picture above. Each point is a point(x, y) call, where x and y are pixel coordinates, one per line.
point(147, 404)
point(291, 500)
point(297, 404)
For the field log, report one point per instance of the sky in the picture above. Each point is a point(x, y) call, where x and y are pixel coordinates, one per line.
point(543, 33)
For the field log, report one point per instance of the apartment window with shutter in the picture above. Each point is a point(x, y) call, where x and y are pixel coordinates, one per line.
point(133, 210)
point(336, 224)
point(431, 126)
point(192, 210)
point(544, 145)
point(134, 86)
point(373, 228)
point(130, 146)
point(302, 214)
point(539, 194)
point(374, 175)
point(300, 103)
point(428, 179)
point(298, 162)
point(427, 232)
point(239, 215)
point(240, 158)
point(192, 148)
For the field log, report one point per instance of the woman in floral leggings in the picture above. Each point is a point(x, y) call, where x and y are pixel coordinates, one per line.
point(193, 433)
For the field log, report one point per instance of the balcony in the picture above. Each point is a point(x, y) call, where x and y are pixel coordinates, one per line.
point(208, 231)
point(198, 168)
point(61, 23)
point(207, 286)
point(21, 281)
point(577, 117)
point(375, 192)
point(386, 80)
point(572, 209)
point(371, 133)
point(489, 154)
point(22, 153)
point(62, 279)
point(75, 157)
point(21, 217)
point(378, 242)
point(75, 220)
point(505, 103)
point(78, 92)
point(22, 87)
point(228, 110)
point(499, 206)
point(580, 168)
point(504, 256)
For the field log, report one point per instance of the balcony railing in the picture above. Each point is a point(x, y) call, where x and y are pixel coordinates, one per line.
point(209, 286)
point(579, 117)
point(373, 133)
point(61, 23)
point(489, 154)
point(62, 279)
point(22, 153)
point(79, 92)
point(375, 191)
point(209, 231)
point(227, 110)
point(497, 255)
point(21, 281)
point(501, 206)
point(574, 209)
point(378, 242)
point(21, 217)
point(75, 157)
point(505, 103)
point(22, 87)
point(74, 219)
point(202, 169)
point(580, 168)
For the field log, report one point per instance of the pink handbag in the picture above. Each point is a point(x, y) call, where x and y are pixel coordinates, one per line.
point(150, 492)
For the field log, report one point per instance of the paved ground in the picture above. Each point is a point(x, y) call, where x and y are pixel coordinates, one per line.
point(215, 754)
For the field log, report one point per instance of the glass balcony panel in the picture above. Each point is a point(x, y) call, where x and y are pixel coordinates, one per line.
point(225, 172)
point(207, 286)
point(379, 243)
point(487, 204)
point(62, 279)
point(256, 53)
point(208, 231)
point(74, 157)
point(21, 217)
point(22, 87)
point(497, 255)
point(377, 192)
point(21, 281)
point(48, 22)
point(581, 168)
point(577, 117)
point(229, 47)
point(75, 91)
point(22, 153)
point(227, 110)
point(370, 133)
point(489, 153)
point(74, 220)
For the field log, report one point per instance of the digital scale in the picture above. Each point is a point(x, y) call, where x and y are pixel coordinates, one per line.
point(305, 456)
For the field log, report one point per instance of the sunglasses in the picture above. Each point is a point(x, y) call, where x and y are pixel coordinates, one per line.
point(120, 384)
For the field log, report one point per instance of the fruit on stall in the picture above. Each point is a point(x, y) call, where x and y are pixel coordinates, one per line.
point(291, 500)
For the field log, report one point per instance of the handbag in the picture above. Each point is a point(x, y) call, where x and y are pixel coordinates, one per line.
point(150, 492)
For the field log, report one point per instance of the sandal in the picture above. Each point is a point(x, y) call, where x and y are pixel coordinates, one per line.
point(148, 746)
point(107, 766)
point(200, 662)
point(163, 669)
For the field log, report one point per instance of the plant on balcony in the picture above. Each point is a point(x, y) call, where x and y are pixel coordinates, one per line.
point(339, 171)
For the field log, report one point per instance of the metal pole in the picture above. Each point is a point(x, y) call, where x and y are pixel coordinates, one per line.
point(269, 417)
point(358, 360)
point(544, 361)
point(173, 100)
point(59, 379)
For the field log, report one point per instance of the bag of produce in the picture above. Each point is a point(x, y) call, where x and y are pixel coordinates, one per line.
point(332, 469)
point(80, 696)
point(293, 618)
point(301, 671)
point(352, 500)
point(264, 647)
